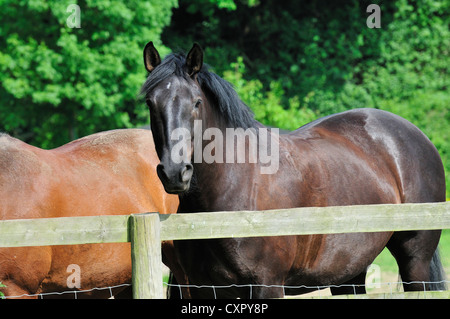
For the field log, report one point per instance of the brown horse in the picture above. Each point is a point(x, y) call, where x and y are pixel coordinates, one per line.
point(109, 173)
point(363, 156)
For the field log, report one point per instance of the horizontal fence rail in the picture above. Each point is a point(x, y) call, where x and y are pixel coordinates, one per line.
point(64, 231)
point(306, 221)
point(278, 222)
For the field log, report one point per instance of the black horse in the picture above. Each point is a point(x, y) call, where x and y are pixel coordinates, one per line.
point(362, 156)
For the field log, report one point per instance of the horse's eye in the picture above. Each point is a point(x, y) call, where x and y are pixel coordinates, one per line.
point(197, 104)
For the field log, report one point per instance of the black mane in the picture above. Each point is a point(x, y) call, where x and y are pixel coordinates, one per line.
point(222, 94)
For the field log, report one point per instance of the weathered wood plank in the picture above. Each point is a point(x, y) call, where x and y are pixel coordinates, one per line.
point(63, 231)
point(305, 221)
point(281, 222)
point(386, 295)
point(146, 256)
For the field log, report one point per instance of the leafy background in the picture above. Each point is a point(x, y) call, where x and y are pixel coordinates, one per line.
point(290, 61)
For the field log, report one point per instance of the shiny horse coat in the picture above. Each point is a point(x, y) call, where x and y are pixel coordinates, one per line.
point(362, 156)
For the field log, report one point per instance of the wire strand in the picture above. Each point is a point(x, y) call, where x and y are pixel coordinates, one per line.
point(250, 286)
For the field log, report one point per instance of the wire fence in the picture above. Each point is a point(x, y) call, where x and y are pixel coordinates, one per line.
point(390, 288)
point(73, 292)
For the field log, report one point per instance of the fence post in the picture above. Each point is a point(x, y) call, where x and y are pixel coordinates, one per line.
point(146, 256)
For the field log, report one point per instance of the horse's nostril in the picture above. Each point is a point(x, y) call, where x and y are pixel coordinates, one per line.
point(186, 172)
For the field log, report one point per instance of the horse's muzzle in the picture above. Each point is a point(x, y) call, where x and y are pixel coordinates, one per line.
point(176, 179)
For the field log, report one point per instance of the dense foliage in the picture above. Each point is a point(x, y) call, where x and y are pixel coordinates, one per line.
point(290, 61)
point(59, 83)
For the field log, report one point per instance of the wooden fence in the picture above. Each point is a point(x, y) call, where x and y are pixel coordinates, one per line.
point(146, 231)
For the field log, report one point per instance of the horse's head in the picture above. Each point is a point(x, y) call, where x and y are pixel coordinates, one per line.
point(174, 98)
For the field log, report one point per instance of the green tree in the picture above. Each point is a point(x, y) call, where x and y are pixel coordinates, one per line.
point(58, 83)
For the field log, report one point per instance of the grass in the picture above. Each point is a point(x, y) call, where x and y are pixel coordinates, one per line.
point(445, 250)
point(2, 295)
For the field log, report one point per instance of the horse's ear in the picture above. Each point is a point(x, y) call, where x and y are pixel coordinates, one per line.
point(194, 60)
point(151, 57)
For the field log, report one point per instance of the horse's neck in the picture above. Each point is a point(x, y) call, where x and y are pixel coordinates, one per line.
point(227, 158)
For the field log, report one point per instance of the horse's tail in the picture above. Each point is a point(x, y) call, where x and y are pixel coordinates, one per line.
point(437, 273)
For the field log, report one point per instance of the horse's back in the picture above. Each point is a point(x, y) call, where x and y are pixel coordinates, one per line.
point(393, 141)
point(110, 172)
point(118, 168)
